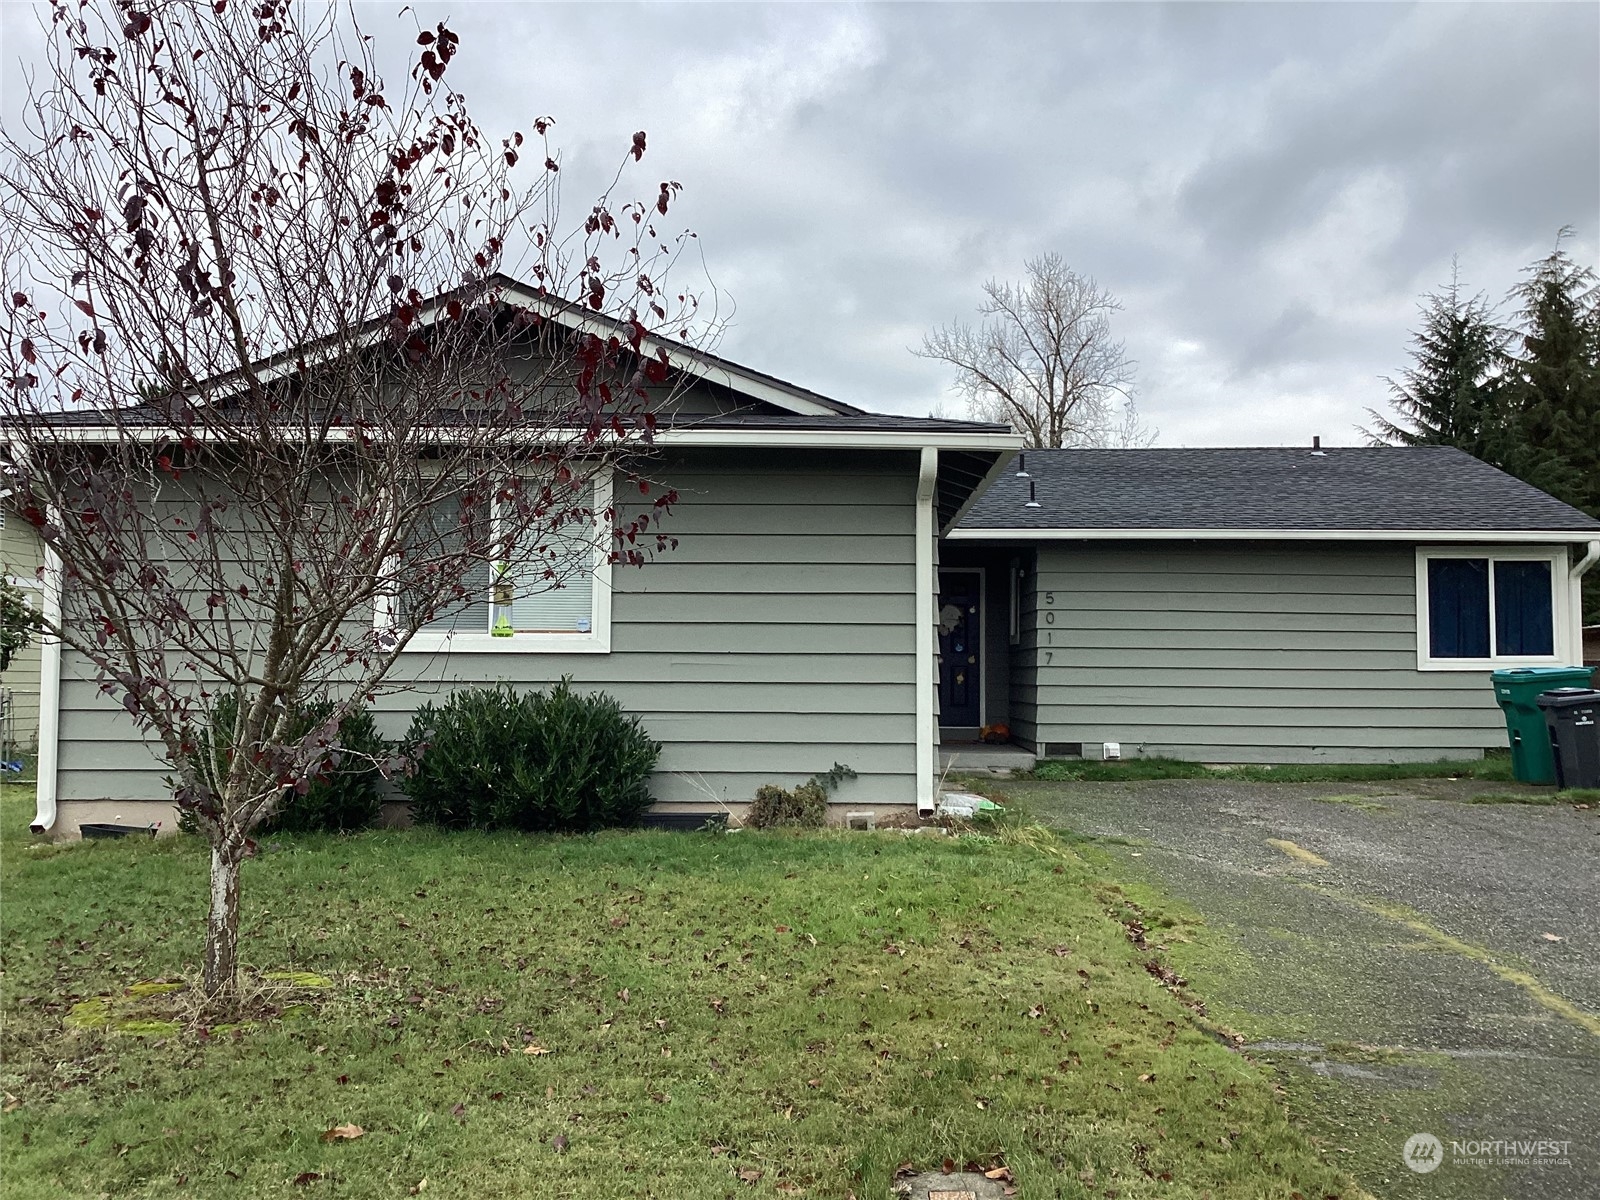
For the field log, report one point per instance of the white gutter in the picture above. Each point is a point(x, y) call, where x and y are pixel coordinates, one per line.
point(49, 698)
point(923, 615)
point(1265, 535)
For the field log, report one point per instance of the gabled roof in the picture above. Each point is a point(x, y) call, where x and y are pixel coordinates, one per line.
point(1387, 493)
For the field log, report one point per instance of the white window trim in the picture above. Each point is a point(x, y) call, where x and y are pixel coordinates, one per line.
point(1561, 608)
point(596, 641)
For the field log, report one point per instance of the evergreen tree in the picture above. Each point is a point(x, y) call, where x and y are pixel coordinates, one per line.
point(1447, 397)
point(1553, 389)
point(1553, 380)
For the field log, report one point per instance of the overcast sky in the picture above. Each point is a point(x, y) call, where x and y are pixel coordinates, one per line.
point(1268, 188)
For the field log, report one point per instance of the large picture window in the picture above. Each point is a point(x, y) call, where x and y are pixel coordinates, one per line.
point(1479, 609)
point(557, 603)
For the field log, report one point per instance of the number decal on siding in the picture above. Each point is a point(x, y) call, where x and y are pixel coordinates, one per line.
point(1049, 618)
point(1049, 657)
point(1049, 597)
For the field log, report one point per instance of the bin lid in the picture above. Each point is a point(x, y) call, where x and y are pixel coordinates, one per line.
point(1568, 698)
point(1534, 674)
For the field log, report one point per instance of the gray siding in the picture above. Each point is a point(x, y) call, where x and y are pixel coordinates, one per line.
point(774, 641)
point(21, 555)
point(1240, 654)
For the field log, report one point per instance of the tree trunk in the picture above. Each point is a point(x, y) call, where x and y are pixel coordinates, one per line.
point(222, 925)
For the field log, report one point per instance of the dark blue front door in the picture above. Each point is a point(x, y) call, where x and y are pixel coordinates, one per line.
point(960, 631)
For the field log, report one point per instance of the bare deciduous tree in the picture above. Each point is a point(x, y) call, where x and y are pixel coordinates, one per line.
point(270, 397)
point(1043, 360)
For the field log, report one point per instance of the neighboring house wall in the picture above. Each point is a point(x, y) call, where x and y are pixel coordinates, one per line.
point(21, 554)
point(1240, 653)
point(774, 641)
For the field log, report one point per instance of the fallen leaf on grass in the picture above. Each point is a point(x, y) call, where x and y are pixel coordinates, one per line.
point(421, 1186)
point(559, 1143)
point(11, 1104)
point(1003, 1174)
point(459, 1112)
point(534, 1048)
point(780, 929)
point(1552, 937)
point(344, 1133)
point(306, 1178)
point(750, 1176)
point(793, 1188)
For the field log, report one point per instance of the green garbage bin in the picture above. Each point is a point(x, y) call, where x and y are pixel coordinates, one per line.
point(1518, 690)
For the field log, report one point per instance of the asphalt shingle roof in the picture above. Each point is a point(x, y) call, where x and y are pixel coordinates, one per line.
point(1377, 488)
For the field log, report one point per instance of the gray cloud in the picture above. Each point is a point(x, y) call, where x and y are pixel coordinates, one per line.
point(1268, 188)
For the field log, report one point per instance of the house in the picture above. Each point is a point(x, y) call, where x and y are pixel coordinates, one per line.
point(21, 554)
point(860, 588)
point(1266, 606)
point(789, 629)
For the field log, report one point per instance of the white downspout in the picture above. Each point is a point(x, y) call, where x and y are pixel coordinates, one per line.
point(1579, 570)
point(44, 817)
point(927, 743)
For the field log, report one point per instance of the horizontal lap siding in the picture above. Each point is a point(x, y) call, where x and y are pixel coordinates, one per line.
point(1240, 654)
point(774, 641)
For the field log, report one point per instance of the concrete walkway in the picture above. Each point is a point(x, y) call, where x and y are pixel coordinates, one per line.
point(1410, 962)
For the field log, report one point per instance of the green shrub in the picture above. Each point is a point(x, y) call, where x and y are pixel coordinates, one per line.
point(345, 796)
point(806, 806)
point(496, 758)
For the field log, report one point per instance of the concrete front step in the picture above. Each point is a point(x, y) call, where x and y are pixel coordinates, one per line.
point(981, 756)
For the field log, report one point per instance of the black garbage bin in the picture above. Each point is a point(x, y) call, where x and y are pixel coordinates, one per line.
point(1572, 715)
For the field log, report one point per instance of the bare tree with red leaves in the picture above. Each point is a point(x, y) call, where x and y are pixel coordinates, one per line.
point(270, 396)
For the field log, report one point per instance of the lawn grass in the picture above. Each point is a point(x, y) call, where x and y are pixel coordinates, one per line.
point(739, 1014)
point(1133, 770)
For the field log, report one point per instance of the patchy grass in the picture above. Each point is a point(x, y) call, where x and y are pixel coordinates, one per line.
point(1355, 800)
point(632, 1014)
point(1581, 797)
point(1134, 770)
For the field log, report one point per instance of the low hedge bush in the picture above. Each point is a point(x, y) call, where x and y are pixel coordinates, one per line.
point(346, 796)
point(496, 758)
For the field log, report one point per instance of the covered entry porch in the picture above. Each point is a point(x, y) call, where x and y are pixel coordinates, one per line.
point(978, 632)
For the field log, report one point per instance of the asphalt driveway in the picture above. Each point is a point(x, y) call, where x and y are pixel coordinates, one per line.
point(1410, 962)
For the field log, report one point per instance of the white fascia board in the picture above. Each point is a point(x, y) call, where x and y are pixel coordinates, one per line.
point(837, 439)
point(843, 439)
point(680, 357)
point(1496, 536)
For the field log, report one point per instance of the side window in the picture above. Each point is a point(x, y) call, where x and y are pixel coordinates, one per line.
point(558, 601)
point(1482, 609)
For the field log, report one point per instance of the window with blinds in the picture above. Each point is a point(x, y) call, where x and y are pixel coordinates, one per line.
point(553, 592)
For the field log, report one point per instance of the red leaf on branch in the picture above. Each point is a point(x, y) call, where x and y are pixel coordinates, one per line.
point(638, 146)
point(83, 306)
point(28, 352)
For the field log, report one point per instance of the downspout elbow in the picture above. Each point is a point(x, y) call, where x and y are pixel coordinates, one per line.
point(1591, 556)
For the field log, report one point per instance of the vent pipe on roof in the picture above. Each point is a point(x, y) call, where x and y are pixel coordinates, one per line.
point(1022, 466)
point(1032, 501)
point(1316, 442)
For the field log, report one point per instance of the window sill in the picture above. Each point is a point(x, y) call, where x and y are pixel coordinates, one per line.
point(1488, 664)
point(522, 643)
